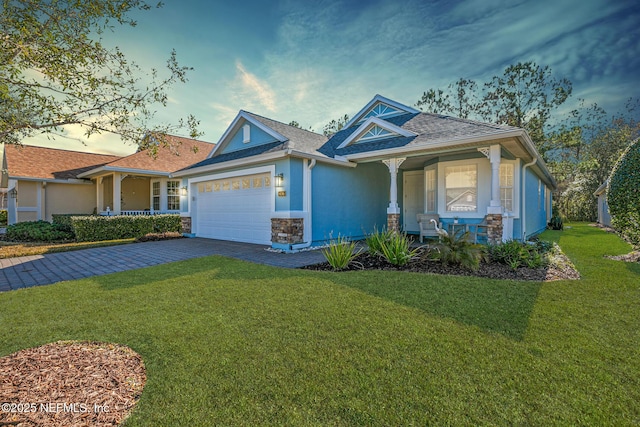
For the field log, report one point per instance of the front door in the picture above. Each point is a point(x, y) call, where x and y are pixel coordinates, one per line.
point(413, 199)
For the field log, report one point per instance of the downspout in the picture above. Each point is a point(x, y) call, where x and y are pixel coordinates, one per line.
point(524, 198)
point(308, 227)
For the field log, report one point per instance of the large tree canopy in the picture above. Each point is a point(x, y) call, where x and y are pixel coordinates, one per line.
point(524, 96)
point(55, 71)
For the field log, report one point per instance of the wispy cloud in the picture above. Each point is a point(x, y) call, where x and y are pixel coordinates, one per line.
point(253, 87)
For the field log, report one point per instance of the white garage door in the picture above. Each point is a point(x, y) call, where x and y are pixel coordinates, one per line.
point(237, 208)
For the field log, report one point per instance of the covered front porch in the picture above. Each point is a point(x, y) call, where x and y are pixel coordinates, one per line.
point(119, 193)
point(461, 190)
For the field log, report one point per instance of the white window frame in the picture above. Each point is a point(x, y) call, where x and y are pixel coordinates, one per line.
point(173, 193)
point(475, 168)
point(155, 197)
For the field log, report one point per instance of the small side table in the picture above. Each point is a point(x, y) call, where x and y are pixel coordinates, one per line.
point(455, 229)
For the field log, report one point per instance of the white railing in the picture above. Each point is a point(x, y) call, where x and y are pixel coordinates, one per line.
point(132, 213)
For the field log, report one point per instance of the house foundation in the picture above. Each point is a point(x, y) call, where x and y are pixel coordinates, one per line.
point(494, 228)
point(287, 231)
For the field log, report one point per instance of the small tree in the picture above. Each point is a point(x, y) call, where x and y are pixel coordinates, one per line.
point(623, 196)
point(55, 72)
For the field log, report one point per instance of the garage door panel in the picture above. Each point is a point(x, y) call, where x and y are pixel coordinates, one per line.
point(237, 209)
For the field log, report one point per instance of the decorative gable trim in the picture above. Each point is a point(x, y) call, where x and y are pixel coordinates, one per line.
point(243, 117)
point(396, 108)
point(386, 130)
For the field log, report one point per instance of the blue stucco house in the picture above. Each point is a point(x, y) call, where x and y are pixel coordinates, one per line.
point(270, 183)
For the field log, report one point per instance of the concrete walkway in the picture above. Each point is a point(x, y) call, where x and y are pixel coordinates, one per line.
point(36, 270)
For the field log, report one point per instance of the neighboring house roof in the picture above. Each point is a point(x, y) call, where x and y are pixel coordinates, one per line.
point(26, 161)
point(178, 154)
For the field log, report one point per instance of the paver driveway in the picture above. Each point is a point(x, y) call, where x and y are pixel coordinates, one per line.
point(23, 272)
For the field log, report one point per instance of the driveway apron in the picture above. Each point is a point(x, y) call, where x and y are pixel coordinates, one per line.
point(36, 270)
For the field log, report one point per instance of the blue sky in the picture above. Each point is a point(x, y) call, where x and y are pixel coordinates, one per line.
point(315, 61)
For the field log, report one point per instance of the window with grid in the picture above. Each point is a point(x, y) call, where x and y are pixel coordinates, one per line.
point(506, 186)
point(173, 195)
point(155, 195)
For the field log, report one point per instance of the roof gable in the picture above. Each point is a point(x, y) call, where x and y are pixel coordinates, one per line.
point(245, 131)
point(380, 107)
point(375, 128)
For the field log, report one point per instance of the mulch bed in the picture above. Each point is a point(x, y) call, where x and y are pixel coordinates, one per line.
point(365, 261)
point(70, 384)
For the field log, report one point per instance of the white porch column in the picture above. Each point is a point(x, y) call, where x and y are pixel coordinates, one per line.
point(393, 165)
point(493, 154)
point(12, 204)
point(117, 189)
point(393, 211)
point(99, 195)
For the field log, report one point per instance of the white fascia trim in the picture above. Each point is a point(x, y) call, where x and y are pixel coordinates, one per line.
point(231, 164)
point(103, 169)
point(245, 116)
point(375, 99)
point(379, 122)
point(242, 172)
point(338, 160)
point(51, 180)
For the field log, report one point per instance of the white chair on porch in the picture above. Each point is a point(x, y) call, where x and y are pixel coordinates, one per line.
point(427, 227)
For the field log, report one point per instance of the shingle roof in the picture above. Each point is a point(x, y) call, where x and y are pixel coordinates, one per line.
point(239, 154)
point(180, 153)
point(51, 163)
point(429, 128)
point(298, 139)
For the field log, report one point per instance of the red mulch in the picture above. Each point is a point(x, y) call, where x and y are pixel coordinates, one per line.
point(70, 384)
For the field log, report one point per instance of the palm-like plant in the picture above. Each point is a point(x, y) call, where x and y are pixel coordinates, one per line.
point(458, 250)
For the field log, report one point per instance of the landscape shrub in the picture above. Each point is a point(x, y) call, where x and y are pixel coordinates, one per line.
point(458, 250)
point(96, 228)
point(3, 217)
point(375, 241)
point(623, 197)
point(556, 223)
point(63, 221)
point(340, 253)
point(37, 231)
point(396, 249)
point(517, 254)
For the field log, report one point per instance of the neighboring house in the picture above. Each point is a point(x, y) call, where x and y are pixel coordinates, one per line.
point(270, 183)
point(604, 217)
point(144, 181)
point(42, 181)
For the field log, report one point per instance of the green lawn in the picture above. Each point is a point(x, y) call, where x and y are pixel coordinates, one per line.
point(231, 343)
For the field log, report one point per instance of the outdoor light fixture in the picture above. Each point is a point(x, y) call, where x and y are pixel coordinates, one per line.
point(183, 191)
point(278, 179)
point(13, 193)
